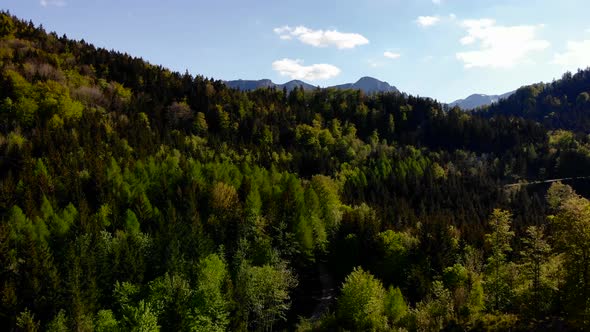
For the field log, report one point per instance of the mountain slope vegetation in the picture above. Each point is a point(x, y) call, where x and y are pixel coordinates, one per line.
point(137, 198)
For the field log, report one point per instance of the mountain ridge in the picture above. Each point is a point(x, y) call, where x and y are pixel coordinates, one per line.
point(478, 100)
point(366, 84)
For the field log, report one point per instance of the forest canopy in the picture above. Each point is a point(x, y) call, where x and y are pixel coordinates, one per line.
point(137, 198)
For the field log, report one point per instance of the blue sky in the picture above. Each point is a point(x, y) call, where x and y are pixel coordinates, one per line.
point(445, 49)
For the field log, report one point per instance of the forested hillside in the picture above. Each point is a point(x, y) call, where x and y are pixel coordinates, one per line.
point(134, 198)
point(559, 104)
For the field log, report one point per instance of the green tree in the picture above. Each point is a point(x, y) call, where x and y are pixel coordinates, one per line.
point(572, 232)
point(105, 321)
point(264, 293)
point(395, 305)
point(26, 321)
point(361, 304)
point(210, 307)
point(499, 241)
point(140, 318)
point(436, 311)
point(58, 323)
point(200, 124)
point(535, 254)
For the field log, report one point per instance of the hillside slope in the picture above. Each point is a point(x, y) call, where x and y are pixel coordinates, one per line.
point(135, 198)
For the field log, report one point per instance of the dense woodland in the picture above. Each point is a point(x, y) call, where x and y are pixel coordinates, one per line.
point(133, 198)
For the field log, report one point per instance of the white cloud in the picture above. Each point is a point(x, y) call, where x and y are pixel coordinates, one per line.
point(297, 71)
point(391, 55)
point(321, 38)
point(499, 46)
point(427, 21)
point(576, 56)
point(437, 2)
point(57, 3)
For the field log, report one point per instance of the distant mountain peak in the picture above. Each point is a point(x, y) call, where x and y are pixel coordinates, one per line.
point(366, 84)
point(372, 85)
point(478, 100)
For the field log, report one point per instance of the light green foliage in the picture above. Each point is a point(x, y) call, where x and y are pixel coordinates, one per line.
point(210, 307)
point(438, 171)
point(200, 124)
point(455, 276)
point(497, 267)
point(103, 215)
point(59, 223)
point(361, 304)
point(140, 318)
point(559, 193)
point(144, 120)
point(391, 124)
point(536, 254)
point(572, 232)
point(25, 110)
point(222, 117)
point(55, 99)
point(395, 305)
point(253, 204)
point(15, 140)
point(476, 300)
point(18, 224)
point(314, 218)
point(395, 248)
point(327, 193)
point(125, 292)
point(137, 316)
point(396, 243)
point(20, 86)
point(264, 293)
point(117, 90)
point(26, 321)
point(314, 137)
point(105, 321)
point(562, 139)
point(131, 223)
point(169, 297)
point(24, 106)
point(22, 228)
point(55, 122)
point(59, 323)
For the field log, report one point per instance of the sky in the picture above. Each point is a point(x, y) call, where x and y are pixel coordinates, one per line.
point(444, 49)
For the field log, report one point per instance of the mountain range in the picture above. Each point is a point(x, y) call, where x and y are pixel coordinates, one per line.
point(366, 84)
point(478, 100)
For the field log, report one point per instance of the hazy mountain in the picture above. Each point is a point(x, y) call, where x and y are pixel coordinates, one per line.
point(477, 100)
point(366, 84)
point(296, 83)
point(247, 85)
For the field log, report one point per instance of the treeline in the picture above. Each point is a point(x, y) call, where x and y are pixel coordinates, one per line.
point(136, 198)
point(560, 104)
